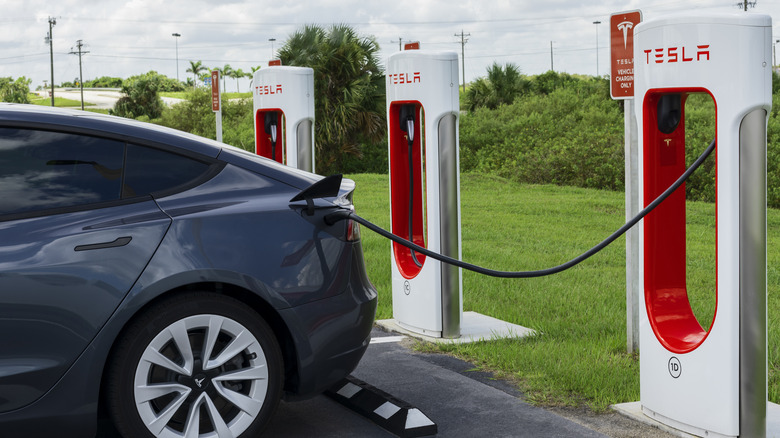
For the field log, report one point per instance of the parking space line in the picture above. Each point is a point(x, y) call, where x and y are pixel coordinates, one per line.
point(387, 339)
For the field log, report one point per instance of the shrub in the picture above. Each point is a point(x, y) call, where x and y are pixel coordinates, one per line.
point(561, 138)
point(194, 115)
point(16, 91)
point(140, 99)
point(104, 82)
point(568, 131)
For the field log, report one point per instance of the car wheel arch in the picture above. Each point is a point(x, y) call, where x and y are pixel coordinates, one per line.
point(280, 328)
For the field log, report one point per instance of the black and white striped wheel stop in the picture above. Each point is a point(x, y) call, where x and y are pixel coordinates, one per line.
point(395, 416)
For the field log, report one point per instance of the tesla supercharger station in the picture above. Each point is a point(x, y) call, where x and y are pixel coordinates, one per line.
point(422, 114)
point(284, 115)
point(705, 381)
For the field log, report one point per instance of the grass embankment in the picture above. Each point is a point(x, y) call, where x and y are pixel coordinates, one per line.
point(580, 356)
point(60, 102)
point(183, 95)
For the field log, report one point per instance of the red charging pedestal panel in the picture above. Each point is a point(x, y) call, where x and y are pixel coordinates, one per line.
point(399, 177)
point(666, 295)
point(264, 146)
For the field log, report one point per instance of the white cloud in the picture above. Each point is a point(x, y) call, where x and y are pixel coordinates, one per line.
point(131, 37)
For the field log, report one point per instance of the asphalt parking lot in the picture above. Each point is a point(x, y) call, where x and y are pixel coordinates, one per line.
point(462, 402)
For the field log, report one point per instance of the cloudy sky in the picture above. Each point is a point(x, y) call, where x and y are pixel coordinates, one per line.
point(125, 38)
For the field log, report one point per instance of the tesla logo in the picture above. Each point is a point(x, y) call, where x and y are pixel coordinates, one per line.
point(268, 89)
point(678, 54)
point(667, 141)
point(625, 27)
point(199, 382)
point(404, 78)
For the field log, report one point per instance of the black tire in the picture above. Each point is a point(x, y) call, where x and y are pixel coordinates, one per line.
point(154, 383)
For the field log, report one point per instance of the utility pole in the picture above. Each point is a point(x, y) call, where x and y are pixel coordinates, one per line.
point(50, 40)
point(597, 46)
point(79, 44)
point(463, 42)
point(774, 51)
point(745, 3)
point(551, 57)
point(176, 36)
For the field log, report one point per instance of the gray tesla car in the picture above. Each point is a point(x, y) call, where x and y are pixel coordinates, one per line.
point(178, 286)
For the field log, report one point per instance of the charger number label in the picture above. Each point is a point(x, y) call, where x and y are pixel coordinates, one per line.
point(675, 368)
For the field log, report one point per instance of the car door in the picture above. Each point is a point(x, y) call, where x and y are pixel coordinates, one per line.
point(71, 246)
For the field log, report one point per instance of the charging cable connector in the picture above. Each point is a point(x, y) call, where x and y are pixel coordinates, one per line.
point(406, 117)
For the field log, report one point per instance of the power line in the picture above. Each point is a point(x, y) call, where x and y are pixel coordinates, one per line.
point(21, 57)
point(350, 23)
point(168, 59)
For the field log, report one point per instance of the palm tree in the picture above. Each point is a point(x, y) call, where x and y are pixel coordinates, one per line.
point(349, 89)
point(196, 68)
point(238, 74)
point(227, 71)
point(251, 76)
point(501, 87)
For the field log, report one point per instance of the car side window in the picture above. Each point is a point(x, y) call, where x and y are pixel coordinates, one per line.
point(151, 171)
point(41, 170)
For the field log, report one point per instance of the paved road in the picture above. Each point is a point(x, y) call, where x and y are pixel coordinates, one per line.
point(100, 99)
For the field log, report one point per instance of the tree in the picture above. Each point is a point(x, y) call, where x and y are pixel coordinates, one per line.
point(238, 74)
point(550, 81)
point(196, 68)
point(227, 71)
point(251, 76)
point(104, 82)
point(194, 115)
point(16, 91)
point(141, 98)
point(501, 87)
point(349, 89)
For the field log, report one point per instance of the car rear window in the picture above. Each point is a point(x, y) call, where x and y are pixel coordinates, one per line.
point(42, 170)
point(152, 171)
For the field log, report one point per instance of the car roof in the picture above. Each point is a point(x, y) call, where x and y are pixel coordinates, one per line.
point(85, 122)
point(24, 115)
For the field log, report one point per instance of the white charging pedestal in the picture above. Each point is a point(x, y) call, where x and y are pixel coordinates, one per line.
point(422, 98)
point(287, 93)
point(707, 382)
point(427, 298)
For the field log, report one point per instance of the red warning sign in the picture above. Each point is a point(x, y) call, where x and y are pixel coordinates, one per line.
point(215, 98)
point(621, 31)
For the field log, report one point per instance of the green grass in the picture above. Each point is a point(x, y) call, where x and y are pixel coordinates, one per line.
point(174, 94)
point(580, 357)
point(58, 102)
point(183, 95)
point(233, 95)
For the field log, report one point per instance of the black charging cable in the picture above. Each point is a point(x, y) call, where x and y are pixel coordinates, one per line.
point(406, 117)
point(271, 123)
point(345, 214)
